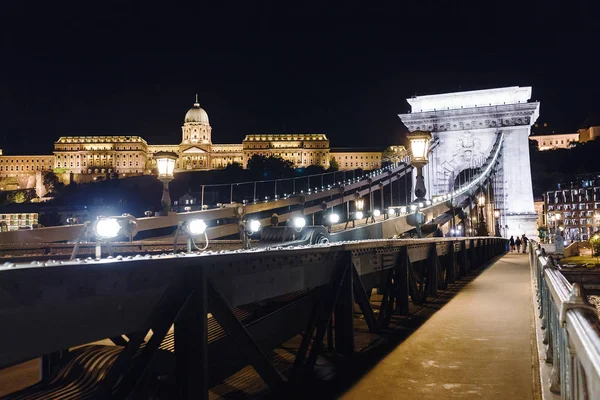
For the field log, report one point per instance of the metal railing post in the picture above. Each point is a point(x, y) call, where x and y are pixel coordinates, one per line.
point(275, 195)
point(391, 192)
point(254, 199)
point(202, 198)
point(231, 194)
point(294, 185)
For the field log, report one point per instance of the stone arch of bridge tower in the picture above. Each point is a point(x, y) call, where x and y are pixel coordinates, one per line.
point(456, 156)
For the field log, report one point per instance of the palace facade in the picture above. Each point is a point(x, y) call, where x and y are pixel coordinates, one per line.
point(85, 157)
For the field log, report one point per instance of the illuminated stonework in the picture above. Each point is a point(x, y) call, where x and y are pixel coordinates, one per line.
point(86, 158)
point(466, 124)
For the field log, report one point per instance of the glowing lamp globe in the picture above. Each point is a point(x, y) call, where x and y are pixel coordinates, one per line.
point(360, 204)
point(481, 201)
point(496, 214)
point(376, 213)
point(165, 162)
point(419, 145)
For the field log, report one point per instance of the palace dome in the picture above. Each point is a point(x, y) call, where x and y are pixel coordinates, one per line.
point(196, 114)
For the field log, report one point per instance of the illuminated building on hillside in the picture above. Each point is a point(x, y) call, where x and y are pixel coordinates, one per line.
point(86, 158)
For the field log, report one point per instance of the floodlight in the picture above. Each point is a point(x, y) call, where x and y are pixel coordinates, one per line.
point(376, 213)
point(413, 207)
point(107, 228)
point(359, 215)
point(403, 209)
point(299, 222)
point(253, 225)
point(391, 212)
point(196, 227)
point(333, 218)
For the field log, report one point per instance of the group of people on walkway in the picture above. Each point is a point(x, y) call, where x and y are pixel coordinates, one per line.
point(515, 245)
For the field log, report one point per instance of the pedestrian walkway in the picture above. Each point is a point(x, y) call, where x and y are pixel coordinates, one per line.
point(481, 345)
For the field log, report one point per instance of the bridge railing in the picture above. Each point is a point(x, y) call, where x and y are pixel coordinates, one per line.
point(571, 330)
point(347, 189)
point(46, 307)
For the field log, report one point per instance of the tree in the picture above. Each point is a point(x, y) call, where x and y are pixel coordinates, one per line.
point(234, 167)
point(333, 164)
point(18, 197)
point(50, 218)
point(52, 183)
point(394, 154)
point(595, 243)
point(262, 167)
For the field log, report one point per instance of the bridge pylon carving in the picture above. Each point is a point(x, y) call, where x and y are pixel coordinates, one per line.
point(466, 124)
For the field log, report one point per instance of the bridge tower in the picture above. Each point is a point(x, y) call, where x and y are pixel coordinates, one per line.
point(466, 125)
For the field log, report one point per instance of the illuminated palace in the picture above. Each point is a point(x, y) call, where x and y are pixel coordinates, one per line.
point(83, 157)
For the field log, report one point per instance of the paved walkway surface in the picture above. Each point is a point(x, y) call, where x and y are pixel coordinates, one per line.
point(481, 345)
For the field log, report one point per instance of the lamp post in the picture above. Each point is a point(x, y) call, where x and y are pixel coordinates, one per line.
point(481, 227)
point(497, 218)
point(419, 147)
point(165, 162)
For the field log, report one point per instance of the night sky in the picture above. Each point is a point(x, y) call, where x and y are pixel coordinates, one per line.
point(116, 69)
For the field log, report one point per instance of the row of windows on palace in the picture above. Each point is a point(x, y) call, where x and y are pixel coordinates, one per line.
point(557, 142)
point(95, 148)
point(573, 196)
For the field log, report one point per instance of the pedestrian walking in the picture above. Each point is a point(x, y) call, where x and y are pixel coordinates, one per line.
point(525, 240)
point(511, 241)
point(518, 244)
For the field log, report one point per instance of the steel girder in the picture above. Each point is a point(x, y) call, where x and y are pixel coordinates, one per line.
point(54, 306)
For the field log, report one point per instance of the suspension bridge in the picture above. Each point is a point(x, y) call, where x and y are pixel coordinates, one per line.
point(276, 310)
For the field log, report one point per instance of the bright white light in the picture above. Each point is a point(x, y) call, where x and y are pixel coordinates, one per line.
point(376, 213)
point(299, 223)
point(253, 225)
point(107, 228)
point(359, 215)
point(413, 207)
point(452, 231)
point(403, 209)
point(419, 148)
point(391, 212)
point(196, 227)
point(165, 166)
point(333, 218)
point(420, 205)
point(428, 202)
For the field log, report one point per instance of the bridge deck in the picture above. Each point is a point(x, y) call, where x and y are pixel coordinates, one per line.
point(480, 345)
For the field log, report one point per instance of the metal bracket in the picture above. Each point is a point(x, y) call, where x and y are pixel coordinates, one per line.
point(576, 300)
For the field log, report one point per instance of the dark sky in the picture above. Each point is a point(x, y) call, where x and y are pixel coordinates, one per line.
point(132, 68)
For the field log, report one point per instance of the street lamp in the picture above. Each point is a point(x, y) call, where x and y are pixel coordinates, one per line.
point(419, 147)
point(165, 161)
point(360, 204)
point(481, 227)
point(497, 218)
